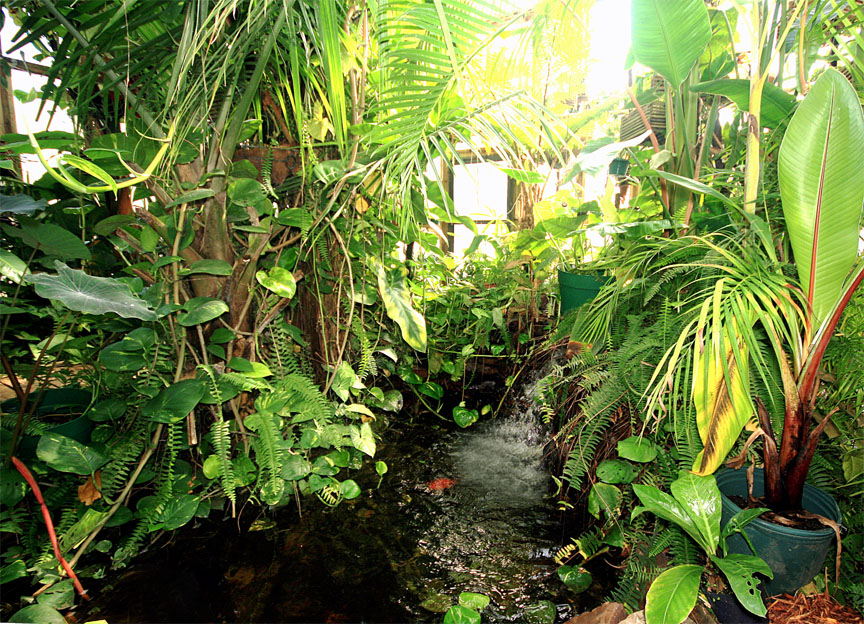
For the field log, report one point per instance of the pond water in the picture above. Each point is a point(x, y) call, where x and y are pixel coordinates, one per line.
point(399, 553)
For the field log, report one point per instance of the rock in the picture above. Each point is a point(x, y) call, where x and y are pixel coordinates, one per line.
point(607, 613)
point(639, 618)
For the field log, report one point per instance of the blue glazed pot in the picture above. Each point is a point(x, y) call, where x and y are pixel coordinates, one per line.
point(795, 555)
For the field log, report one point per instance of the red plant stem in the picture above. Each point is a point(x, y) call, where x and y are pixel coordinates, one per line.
point(25, 472)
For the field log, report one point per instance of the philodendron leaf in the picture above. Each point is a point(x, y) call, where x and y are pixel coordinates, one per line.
point(349, 489)
point(616, 471)
point(465, 417)
point(739, 571)
point(50, 239)
point(673, 594)
point(363, 439)
point(173, 403)
point(475, 601)
point(200, 310)
point(603, 497)
point(68, 455)
point(576, 578)
point(637, 449)
point(38, 613)
point(278, 280)
point(700, 499)
point(397, 301)
point(20, 204)
point(457, 614)
point(92, 295)
point(178, 511)
point(669, 35)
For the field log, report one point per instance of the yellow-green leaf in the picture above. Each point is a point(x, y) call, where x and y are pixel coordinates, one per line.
point(397, 301)
point(721, 395)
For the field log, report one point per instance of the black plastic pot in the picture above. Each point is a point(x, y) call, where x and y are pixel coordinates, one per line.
point(794, 555)
point(728, 610)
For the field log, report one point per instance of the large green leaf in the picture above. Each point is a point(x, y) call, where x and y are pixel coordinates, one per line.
point(278, 280)
point(38, 613)
point(669, 35)
point(700, 499)
point(51, 239)
point(68, 455)
point(457, 614)
point(363, 439)
point(12, 267)
point(20, 204)
point(638, 449)
point(576, 578)
point(200, 310)
point(821, 176)
point(397, 301)
point(661, 504)
point(777, 104)
point(673, 595)
point(173, 403)
point(739, 570)
point(93, 295)
point(604, 498)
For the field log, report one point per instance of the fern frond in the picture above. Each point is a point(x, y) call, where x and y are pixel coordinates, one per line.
point(222, 445)
point(268, 455)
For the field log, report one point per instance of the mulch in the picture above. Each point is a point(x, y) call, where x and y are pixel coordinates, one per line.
point(811, 609)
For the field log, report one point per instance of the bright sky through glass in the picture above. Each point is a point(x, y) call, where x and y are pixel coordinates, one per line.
point(610, 42)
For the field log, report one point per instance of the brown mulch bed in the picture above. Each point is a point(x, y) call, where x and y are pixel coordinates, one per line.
point(811, 609)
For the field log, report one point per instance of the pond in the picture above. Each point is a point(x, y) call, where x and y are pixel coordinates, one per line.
point(458, 511)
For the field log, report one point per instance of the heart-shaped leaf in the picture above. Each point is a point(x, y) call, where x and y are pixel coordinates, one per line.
point(363, 439)
point(576, 578)
point(51, 239)
point(637, 449)
point(349, 489)
point(397, 302)
point(173, 403)
point(616, 471)
point(278, 280)
point(457, 614)
point(68, 455)
point(201, 310)
point(92, 295)
point(464, 417)
point(603, 497)
point(471, 600)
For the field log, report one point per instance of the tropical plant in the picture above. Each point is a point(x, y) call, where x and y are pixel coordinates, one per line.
point(822, 192)
point(695, 507)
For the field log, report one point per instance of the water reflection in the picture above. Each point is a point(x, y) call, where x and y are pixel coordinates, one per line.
point(401, 553)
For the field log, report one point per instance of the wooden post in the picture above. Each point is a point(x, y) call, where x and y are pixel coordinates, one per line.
point(7, 109)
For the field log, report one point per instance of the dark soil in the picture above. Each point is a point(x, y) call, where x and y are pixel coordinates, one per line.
point(789, 519)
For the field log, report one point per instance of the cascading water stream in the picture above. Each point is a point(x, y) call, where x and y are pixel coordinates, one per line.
point(401, 553)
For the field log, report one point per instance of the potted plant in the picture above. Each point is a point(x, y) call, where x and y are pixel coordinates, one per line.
point(695, 507)
point(822, 193)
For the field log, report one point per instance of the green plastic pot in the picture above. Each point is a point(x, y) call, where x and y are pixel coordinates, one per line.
point(577, 289)
point(619, 167)
point(795, 555)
